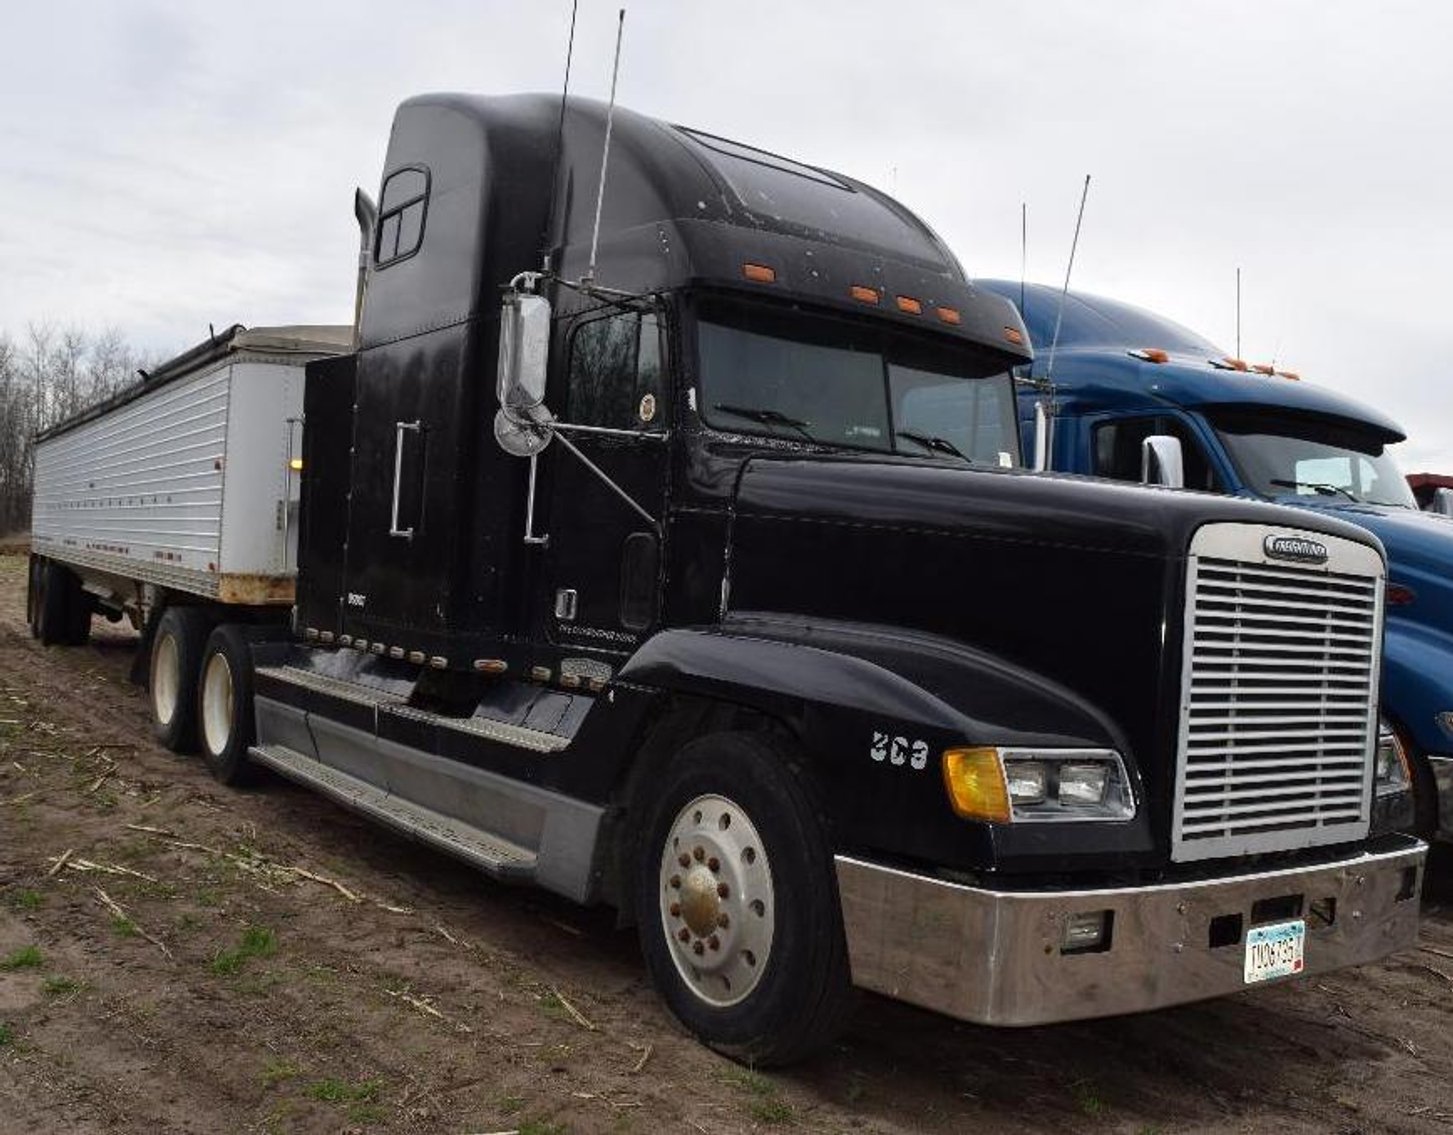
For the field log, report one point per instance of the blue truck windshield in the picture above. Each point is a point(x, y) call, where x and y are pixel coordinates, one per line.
point(1303, 458)
point(866, 394)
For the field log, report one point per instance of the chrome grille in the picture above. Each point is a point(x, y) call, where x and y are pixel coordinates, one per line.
point(1279, 695)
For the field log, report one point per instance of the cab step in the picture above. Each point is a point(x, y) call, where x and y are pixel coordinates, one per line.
point(387, 701)
point(495, 856)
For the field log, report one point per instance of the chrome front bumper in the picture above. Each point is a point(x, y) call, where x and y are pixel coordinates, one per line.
point(994, 957)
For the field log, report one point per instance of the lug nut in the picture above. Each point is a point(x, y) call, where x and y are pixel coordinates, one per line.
point(676, 882)
point(684, 859)
point(723, 890)
point(697, 948)
point(722, 920)
point(713, 864)
point(684, 934)
point(675, 910)
point(714, 942)
point(698, 854)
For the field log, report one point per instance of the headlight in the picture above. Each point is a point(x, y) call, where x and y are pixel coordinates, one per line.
point(1390, 764)
point(1027, 785)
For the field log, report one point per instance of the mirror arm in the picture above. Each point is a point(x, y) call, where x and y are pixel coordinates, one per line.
point(610, 484)
point(530, 537)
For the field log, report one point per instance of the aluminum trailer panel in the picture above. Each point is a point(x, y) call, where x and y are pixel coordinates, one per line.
point(185, 481)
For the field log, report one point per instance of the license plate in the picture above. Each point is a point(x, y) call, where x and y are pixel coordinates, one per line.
point(1278, 950)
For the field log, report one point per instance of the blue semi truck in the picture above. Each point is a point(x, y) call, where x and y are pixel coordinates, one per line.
point(1135, 396)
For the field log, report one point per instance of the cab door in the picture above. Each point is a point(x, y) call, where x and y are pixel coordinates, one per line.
point(603, 557)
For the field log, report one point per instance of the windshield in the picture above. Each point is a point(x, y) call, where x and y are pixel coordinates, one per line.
point(1306, 458)
point(841, 384)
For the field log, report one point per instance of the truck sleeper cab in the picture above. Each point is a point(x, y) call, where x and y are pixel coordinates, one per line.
point(1123, 374)
point(701, 578)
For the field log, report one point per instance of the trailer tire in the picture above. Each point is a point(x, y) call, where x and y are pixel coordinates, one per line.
point(53, 618)
point(176, 662)
point(32, 596)
point(225, 724)
point(744, 941)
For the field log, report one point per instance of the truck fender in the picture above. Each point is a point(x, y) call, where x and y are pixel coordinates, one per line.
point(789, 667)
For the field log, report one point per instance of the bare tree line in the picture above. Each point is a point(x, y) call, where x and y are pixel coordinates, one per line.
point(46, 375)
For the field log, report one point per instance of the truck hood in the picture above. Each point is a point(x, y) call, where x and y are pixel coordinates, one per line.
point(1078, 580)
point(1419, 552)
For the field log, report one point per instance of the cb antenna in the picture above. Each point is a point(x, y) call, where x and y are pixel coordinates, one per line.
point(1065, 291)
point(605, 152)
point(560, 139)
point(1238, 313)
point(1023, 249)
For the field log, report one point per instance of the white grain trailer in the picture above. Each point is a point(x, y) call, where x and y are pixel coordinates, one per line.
point(174, 505)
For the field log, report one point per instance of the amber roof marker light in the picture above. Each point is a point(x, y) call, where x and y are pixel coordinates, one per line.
point(863, 295)
point(909, 305)
point(759, 273)
point(950, 315)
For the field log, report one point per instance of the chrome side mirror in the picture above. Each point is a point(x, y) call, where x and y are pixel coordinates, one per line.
point(520, 426)
point(1162, 462)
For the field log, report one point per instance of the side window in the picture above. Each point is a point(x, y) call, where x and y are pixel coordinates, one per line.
point(401, 210)
point(1117, 450)
point(615, 373)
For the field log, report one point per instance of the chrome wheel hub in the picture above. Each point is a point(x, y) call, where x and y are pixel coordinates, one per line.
point(217, 704)
point(166, 679)
point(717, 904)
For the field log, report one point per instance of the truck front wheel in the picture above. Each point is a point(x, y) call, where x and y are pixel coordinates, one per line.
point(738, 904)
point(224, 706)
point(176, 658)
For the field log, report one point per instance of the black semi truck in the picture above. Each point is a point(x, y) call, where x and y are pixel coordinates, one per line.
point(670, 548)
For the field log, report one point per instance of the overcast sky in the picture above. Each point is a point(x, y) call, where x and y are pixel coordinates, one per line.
point(167, 165)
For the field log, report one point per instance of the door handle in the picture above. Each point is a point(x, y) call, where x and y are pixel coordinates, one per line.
point(400, 428)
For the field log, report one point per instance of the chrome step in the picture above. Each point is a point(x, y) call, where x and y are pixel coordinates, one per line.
point(335, 687)
point(491, 854)
point(504, 732)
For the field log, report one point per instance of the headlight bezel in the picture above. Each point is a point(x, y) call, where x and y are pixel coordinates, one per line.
point(1391, 772)
point(972, 798)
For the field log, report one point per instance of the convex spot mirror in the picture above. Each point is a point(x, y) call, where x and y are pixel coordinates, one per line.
point(1442, 502)
point(524, 353)
point(1161, 461)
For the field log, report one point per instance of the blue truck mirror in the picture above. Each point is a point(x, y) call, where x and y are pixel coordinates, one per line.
point(1161, 461)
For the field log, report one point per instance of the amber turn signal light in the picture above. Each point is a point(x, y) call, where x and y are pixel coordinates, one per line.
point(974, 779)
point(1014, 335)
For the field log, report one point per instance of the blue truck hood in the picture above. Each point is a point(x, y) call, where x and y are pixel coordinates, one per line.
point(1419, 551)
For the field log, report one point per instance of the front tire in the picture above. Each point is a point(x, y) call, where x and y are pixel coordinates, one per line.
point(224, 706)
point(737, 901)
point(176, 659)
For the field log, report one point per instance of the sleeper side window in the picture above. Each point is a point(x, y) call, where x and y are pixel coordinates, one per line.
point(615, 373)
point(401, 213)
point(1117, 450)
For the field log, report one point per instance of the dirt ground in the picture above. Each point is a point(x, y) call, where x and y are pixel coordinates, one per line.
point(177, 957)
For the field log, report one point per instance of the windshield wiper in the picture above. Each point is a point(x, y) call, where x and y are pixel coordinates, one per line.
point(1318, 487)
point(935, 444)
point(766, 417)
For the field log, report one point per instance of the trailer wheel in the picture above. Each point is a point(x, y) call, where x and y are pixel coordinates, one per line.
point(224, 706)
point(53, 618)
point(737, 895)
point(176, 660)
point(32, 596)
